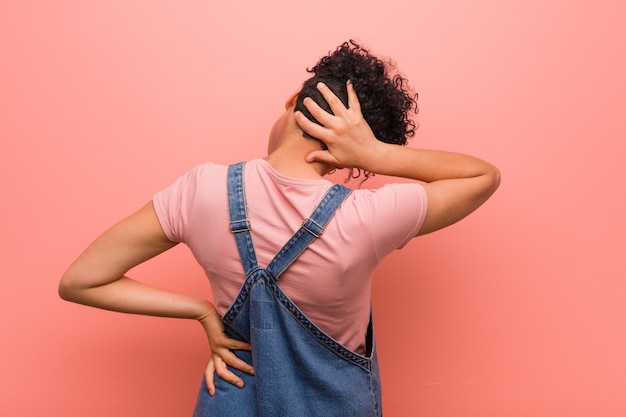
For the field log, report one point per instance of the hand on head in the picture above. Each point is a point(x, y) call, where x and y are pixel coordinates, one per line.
point(350, 141)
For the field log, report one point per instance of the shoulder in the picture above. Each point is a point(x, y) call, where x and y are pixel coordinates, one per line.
point(208, 169)
point(183, 189)
point(390, 215)
point(401, 206)
point(200, 175)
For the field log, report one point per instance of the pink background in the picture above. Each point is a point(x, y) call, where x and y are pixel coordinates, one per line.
point(517, 311)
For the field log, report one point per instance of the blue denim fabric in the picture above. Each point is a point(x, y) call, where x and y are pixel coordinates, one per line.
point(300, 371)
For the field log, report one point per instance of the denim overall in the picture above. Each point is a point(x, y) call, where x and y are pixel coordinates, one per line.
point(300, 371)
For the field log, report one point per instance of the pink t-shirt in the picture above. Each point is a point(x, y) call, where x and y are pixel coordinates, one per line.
point(331, 281)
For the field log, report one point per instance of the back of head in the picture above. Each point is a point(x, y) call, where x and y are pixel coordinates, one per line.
point(384, 95)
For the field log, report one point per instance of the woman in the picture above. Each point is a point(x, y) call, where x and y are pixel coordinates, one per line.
point(298, 311)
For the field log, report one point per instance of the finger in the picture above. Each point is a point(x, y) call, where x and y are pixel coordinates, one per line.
point(209, 375)
point(353, 99)
point(313, 129)
point(321, 115)
point(232, 360)
point(336, 105)
point(235, 344)
point(222, 371)
point(322, 156)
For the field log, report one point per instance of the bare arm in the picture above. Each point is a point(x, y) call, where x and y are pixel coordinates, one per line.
point(97, 278)
point(456, 184)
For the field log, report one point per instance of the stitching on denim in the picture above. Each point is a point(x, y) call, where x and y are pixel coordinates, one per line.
point(238, 213)
point(332, 344)
point(235, 308)
point(321, 215)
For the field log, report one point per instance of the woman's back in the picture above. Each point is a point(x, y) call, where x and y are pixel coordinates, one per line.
point(330, 281)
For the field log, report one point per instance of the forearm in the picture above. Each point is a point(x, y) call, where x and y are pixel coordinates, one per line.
point(426, 165)
point(129, 296)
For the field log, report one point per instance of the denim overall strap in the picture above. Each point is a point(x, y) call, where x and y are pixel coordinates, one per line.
point(311, 229)
point(239, 222)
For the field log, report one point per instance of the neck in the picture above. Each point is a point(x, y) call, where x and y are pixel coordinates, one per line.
point(288, 157)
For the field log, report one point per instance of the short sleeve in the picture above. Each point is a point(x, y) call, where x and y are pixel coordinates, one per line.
point(398, 212)
point(173, 205)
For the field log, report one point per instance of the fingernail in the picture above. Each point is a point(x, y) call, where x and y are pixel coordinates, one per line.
point(321, 85)
point(251, 371)
point(349, 82)
point(240, 384)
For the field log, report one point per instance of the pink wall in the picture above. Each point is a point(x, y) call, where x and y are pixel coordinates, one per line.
point(517, 311)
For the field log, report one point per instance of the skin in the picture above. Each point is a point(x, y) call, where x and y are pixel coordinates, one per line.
point(456, 185)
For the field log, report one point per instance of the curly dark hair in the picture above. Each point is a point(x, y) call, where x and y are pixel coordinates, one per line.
point(384, 94)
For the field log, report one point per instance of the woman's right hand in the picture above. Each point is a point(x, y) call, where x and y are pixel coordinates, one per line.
point(349, 139)
point(221, 353)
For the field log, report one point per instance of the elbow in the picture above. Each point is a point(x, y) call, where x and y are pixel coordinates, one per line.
point(65, 290)
point(496, 177)
point(68, 290)
point(488, 184)
point(493, 176)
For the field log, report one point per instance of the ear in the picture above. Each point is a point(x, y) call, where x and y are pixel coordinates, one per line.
point(291, 101)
